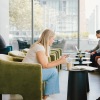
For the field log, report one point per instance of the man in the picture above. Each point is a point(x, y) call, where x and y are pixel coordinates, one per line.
point(96, 51)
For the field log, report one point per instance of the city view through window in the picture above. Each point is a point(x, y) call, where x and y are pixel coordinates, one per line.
point(74, 21)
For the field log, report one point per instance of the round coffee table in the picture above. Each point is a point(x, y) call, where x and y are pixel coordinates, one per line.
point(77, 85)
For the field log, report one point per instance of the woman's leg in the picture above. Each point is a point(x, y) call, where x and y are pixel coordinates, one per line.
point(52, 81)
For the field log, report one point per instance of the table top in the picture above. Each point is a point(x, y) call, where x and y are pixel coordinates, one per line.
point(83, 62)
point(85, 58)
point(76, 53)
point(82, 68)
point(78, 58)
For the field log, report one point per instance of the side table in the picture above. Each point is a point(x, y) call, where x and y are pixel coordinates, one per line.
point(77, 85)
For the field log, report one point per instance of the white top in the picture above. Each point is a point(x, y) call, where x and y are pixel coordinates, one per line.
point(31, 54)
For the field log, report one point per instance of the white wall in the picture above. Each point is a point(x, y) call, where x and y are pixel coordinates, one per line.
point(4, 20)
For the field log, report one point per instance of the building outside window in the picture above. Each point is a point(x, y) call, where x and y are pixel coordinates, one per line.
point(71, 20)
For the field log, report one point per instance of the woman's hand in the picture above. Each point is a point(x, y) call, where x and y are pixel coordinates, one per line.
point(43, 60)
point(87, 51)
point(63, 59)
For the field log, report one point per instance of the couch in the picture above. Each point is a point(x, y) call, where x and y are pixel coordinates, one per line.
point(3, 48)
point(23, 44)
point(20, 78)
point(17, 55)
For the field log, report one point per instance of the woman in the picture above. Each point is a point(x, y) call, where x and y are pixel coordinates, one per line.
point(39, 53)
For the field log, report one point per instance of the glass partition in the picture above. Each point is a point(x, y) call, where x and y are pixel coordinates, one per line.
point(19, 21)
point(59, 15)
point(62, 17)
point(74, 21)
point(89, 23)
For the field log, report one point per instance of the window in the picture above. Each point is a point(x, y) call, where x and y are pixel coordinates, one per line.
point(59, 16)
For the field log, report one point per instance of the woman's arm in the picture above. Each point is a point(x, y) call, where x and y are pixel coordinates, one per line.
point(43, 60)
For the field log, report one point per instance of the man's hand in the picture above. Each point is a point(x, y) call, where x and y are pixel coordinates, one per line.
point(87, 51)
point(92, 53)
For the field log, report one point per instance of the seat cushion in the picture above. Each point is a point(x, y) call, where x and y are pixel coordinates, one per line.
point(17, 54)
point(6, 57)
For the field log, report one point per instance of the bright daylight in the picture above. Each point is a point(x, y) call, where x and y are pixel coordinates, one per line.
point(49, 49)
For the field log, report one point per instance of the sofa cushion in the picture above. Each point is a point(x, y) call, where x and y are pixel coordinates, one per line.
point(6, 57)
point(16, 53)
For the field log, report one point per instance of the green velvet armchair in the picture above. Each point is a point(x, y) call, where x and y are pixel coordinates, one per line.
point(57, 52)
point(20, 78)
point(17, 55)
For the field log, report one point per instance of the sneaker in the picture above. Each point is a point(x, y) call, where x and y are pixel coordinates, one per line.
point(49, 98)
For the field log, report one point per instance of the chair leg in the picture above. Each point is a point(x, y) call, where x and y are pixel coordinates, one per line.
point(43, 87)
point(0, 96)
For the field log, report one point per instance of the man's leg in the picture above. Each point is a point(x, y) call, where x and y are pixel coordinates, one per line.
point(92, 59)
point(98, 98)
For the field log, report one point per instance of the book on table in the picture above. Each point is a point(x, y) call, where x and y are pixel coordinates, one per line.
point(88, 68)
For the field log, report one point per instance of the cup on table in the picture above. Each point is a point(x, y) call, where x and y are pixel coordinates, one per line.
point(69, 63)
point(69, 66)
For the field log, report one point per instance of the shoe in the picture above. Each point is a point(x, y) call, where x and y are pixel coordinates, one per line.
point(49, 98)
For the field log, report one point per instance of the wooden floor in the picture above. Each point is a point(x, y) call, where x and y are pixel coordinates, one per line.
point(94, 81)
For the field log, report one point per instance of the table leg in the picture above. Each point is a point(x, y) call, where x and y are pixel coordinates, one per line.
point(77, 85)
point(0, 96)
point(87, 81)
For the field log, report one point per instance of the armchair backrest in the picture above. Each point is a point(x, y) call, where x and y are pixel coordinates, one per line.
point(20, 78)
point(25, 50)
point(6, 57)
point(17, 53)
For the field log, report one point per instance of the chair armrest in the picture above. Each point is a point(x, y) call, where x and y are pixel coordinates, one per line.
point(96, 58)
point(21, 78)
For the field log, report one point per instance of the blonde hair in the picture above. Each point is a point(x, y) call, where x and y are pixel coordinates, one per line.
point(44, 39)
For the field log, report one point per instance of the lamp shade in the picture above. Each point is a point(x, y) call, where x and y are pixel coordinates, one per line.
point(2, 43)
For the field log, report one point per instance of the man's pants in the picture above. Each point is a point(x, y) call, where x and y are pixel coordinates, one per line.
point(92, 59)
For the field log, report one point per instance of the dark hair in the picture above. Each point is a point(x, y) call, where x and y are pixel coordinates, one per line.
point(98, 32)
point(2, 43)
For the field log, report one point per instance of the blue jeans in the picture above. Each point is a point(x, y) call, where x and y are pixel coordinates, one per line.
point(50, 76)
